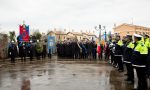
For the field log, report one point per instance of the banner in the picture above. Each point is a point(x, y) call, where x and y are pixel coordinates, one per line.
point(51, 44)
point(24, 33)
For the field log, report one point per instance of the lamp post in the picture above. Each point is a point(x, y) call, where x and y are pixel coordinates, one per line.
point(99, 28)
point(105, 33)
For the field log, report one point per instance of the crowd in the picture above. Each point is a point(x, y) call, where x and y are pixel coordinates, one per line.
point(73, 49)
point(133, 51)
point(27, 49)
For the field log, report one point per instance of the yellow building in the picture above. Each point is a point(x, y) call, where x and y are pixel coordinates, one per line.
point(62, 35)
point(131, 29)
point(59, 35)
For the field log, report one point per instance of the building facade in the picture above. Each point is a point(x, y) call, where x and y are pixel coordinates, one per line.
point(62, 36)
point(130, 29)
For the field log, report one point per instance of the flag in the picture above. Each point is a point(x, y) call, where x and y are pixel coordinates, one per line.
point(24, 32)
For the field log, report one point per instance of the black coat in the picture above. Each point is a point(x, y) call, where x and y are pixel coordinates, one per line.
point(12, 51)
point(118, 50)
point(127, 53)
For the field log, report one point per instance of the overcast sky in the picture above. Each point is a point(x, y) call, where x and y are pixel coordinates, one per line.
point(72, 14)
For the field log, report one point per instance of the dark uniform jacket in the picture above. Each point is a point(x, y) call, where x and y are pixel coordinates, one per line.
point(127, 53)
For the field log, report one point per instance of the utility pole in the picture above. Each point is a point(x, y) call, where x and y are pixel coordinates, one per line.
point(105, 33)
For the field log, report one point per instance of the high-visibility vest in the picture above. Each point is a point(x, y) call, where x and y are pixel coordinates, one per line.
point(141, 48)
point(120, 43)
point(130, 45)
point(147, 43)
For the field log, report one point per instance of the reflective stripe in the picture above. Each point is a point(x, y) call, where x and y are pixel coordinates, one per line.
point(138, 65)
point(126, 62)
point(117, 55)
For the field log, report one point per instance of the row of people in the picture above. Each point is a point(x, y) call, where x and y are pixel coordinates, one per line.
point(79, 50)
point(24, 50)
point(135, 53)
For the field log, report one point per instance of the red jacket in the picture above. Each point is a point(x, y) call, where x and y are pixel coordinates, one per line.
point(99, 50)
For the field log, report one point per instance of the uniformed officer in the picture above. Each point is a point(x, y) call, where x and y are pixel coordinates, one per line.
point(30, 50)
point(111, 47)
point(94, 50)
point(147, 44)
point(127, 55)
point(12, 51)
point(118, 53)
point(39, 50)
point(139, 61)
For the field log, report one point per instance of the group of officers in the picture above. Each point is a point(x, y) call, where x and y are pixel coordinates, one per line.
point(73, 49)
point(26, 49)
point(134, 51)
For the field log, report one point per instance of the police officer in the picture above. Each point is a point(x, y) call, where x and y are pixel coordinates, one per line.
point(139, 61)
point(111, 48)
point(94, 50)
point(118, 53)
point(147, 44)
point(12, 50)
point(30, 50)
point(127, 55)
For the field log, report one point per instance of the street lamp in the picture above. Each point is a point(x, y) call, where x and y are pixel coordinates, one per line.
point(99, 28)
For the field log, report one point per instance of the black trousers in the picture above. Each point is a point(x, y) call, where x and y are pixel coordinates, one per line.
point(12, 59)
point(148, 65)
point(141, 74)
point(119, 62)
point(130, 72)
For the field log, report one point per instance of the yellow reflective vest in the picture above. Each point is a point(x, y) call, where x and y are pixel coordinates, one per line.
point(130, 45)
point(120, 43)
point(141, 48)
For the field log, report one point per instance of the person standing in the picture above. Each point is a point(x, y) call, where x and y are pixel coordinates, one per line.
point(12, 50)
point(127, 55)
point(112, 48)
point(118, 53)
point(77, 50)
point(99, 51)
point(139, 61)
point(30, 51)
point(147, 44)
point(94, 50)
point(22, 51)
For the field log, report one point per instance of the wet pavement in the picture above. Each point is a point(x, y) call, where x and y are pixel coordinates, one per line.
point(61, 75)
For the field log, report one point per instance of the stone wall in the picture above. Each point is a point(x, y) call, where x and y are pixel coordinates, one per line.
point(3, 46)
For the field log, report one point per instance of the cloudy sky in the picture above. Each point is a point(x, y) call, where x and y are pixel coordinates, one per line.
point(72, 14)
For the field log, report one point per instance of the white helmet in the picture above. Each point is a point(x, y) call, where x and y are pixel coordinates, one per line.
point(12, 41)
